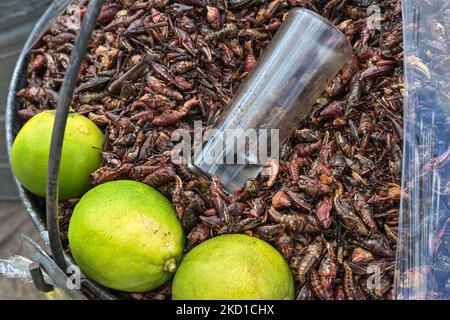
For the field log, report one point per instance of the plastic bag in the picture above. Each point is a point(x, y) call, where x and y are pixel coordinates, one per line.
point(423, 255)
point(16, 267)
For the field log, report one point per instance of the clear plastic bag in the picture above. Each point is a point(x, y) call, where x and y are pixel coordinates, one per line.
point(16, 267)
point(423, 255)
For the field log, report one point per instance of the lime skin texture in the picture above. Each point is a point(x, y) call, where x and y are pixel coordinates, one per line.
point(126, 236)
point(233, 267)
point(81, 154)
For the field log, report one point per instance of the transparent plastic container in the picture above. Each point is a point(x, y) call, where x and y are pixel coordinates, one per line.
point(304, 56)
point(423, 251)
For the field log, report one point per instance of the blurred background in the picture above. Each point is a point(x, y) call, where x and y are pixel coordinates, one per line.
point(17, 18)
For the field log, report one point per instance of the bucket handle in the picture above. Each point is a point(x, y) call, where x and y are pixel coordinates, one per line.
point(62, 112)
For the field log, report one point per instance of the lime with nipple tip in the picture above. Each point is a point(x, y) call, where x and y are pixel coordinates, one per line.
point(233, 267)
point(126, 236)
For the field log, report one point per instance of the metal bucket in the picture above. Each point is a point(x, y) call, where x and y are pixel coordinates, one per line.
point(34, 205)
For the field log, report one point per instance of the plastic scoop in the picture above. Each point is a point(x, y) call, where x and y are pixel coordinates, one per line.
point(304, 56)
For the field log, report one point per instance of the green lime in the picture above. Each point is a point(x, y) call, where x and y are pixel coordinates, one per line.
point(126, 236)
point(81, 154)
point(233, 267)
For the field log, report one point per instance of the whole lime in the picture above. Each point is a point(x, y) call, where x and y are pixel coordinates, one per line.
point(233, 267)
point(126, 236)
point(81, 154)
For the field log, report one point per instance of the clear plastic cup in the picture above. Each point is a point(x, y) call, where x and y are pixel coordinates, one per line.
point(304, 56)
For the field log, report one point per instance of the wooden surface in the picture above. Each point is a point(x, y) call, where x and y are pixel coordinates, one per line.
point(17, 18)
